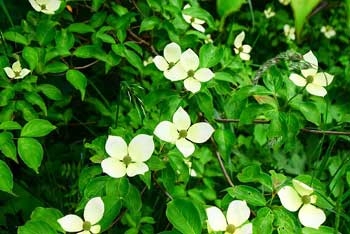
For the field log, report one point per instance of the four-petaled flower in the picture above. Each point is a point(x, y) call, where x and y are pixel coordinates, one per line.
point(289, 32)
point(301, 195)
point(235, 221)
point(93, 213)
point(187, 69)
point(182, 134)
point(195, 23)
point(269, 13)
point(240, 49)
point(313, 80)
point(16, 72)
point(46, 6)
point(284, 2)
point(126, 159)
point(172, 54)
point(328, 31)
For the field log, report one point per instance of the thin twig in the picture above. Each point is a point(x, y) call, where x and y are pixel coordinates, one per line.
point(87, 65)
point(222, 166)
point(310, 130)
point(142, 41)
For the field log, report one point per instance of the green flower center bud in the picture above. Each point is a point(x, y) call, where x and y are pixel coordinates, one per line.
point(306, 199)
point(171, 64)
point(43, 7)
point(240, 49)
point(190, 73)
point(230, 228)
point(182, 133)
point(86, 226)
point(192, 19)
point(127, 160)
point(17, 73)
point(309, 79)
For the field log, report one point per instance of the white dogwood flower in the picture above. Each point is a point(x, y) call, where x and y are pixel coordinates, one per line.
point(93, 213)
point(240, 49)
point(46, 6)
point(269, 13)
point(188, 70)
point(313, 80)
point(16, 71)
point(182, 134)
point(289, 32)
point(235, 221)
point(328, 31)
point(284, 2)
point(172, 54)
point(195, 23)
point(301, 195)
point(126, 159)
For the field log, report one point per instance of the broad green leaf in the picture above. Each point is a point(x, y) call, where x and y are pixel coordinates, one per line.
point(302, 10)
point(80, 28)
point(320, 230)
point(112, 209)
point(31, 152)
point(26, 109)
point(184, 216)
point(9, 149)
point(224, 139)
point(78, 80)
point(309, 110)
point(36, 99)
point(16, 37)
point(204, 100)
point(6, 181)
point(250, 194)
point(285, 221)
point(50, 91)
point(134, 59)
point(64, 39)
point(263, 222)
point(149, 23)
point(209, 55)
point(98, 19)
point(225, 7)
point(31, 55)
point(90, 51)
point(250, 113)
point(45, 32)
point(225, 76)
point(6, 95)
point(96, 4)
point(36, 227)
point(200, 13)
point(55, 67)
point(47, 215)
point(253, 173)
point(133, 199)
point(37, 128)
point(10, 125)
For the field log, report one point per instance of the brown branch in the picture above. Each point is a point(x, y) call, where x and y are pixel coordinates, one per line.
point(86, 66)
point(310, 130)
point(142, 41)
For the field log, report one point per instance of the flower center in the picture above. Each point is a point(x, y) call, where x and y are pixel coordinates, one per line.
point(171, 64)
point(86, 226)
point(240, 49)
point(43, 7)
point(127, 160)
point(190, 73)
point(192, 19)
point(309, 79)
point(182, 133)
point(17, 73)
point(230, 228)
point(306, 199)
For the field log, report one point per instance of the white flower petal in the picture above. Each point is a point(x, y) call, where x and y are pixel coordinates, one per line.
point(204, 74)
point(198, 26)
point(185, 147)
point(309, 72)
point(138, 168)
point(181, 119)
point(216, 219)
point(189, 60)
point(53, 5)
point(187, 18)
point(200, 132)
point(237, 213)
point(113, 167)
point(244, 56)
point(323, 79)
point(24, 72)
point(160, 63)
point(116, 147)
point(95, 229)
point(176, 73)
point(84, 232)
point(289, 198)
point(311, 216)
point(166, 131)
point(239, 40)
point(172, 52)
point(311, 58)
point(302, 188)
point(236, 51)
point(297, 80)
point(35, 5)
point(316, 90)
point(192, 85)
point(9, 72)
point(71, 223)
point(16, 66)
point(246, 49)
point(94, 209)
point(245, 229)
point(141, 148)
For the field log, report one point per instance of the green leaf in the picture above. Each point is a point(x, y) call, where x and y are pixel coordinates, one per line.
point(204, 100)
point(96, 4)
point(78, 80)
point(10, 125)
point(50, 91)
point(112, 209)
point(36, 227)
point(320, 230)
point(301, 10)
point(250, 194)
point(149, 23)
point(65, 39)
point(253, 173)
point(309, 110)
point(6, 95)
point(31, 152)
point(16, 37)
point(209, 55)
point(224, 139)
point(133, 199)
point(184, 216)
point(7, 146)
point(263, 223)
point(55, 67)
point(80, 28)
point(6, 181)
point(31, 55)
point(225, 76)
point(36, 99)
point(285, 221)
point(37, 128)
point(47, 215)
point(225, 7)
point(45, 32)
point(90, 51)
point(200, 13)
